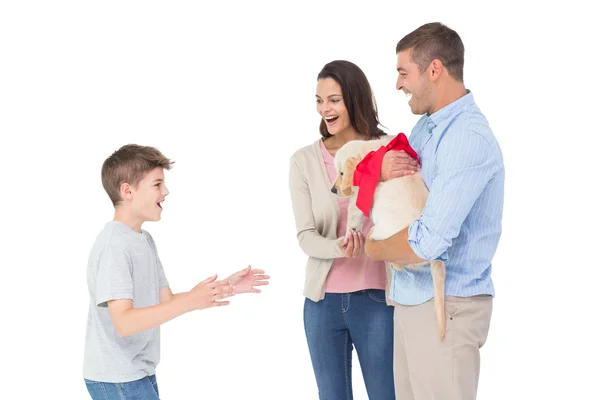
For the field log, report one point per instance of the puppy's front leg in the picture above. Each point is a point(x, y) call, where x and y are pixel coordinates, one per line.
point(355, 216)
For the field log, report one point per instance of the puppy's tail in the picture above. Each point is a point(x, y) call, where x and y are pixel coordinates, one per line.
point(438, 273)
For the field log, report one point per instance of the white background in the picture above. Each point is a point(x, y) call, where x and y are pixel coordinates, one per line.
point(206, 82)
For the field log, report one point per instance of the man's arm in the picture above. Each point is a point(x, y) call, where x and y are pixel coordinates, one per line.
point(394, 249)
point(465, 164)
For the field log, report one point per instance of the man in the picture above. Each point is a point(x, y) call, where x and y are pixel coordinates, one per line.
point(461, 164)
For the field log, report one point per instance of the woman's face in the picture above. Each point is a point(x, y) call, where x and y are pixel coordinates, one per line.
point(330, 106)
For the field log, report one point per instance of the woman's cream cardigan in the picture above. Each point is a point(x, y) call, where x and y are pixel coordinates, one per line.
point(316, 213)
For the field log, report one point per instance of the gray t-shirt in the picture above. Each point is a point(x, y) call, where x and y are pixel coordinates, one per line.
point(122, 264)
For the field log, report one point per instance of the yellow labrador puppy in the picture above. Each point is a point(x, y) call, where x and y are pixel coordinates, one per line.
point(396, 204)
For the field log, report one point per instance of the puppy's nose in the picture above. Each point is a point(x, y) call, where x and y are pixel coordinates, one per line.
point(334, 190)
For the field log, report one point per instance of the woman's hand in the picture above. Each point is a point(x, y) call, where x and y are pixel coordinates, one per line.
point(352, 245)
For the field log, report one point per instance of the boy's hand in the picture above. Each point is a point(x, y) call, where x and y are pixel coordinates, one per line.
point(207, 293)
point(245, 280)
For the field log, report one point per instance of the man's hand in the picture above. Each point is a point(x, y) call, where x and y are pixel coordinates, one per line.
point(207, 293)
point(352, 245)
point(244, 281)
point(397, 164)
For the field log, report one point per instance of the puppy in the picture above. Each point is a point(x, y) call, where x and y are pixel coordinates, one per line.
point(396, 204)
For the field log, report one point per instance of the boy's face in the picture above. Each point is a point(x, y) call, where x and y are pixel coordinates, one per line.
point(148, 194)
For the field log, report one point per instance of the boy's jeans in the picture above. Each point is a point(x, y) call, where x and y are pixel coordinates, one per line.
point(142, 389)
point(340, 322)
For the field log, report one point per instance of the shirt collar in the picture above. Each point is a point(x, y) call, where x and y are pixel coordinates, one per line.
point(442, 117)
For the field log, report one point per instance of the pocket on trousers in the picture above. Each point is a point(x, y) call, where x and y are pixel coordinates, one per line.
point(377, 294)
point(454, 304)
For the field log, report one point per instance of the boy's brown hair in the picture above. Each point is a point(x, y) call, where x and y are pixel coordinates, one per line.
point(129, 164)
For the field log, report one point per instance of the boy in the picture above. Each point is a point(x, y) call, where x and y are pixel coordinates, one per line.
point(129, 293)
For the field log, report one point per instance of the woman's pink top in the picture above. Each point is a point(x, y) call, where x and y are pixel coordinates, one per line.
point(351, 274)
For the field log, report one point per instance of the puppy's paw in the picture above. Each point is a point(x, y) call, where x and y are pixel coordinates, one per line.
point(350, 230)
point(397, 267)
point(354, 225)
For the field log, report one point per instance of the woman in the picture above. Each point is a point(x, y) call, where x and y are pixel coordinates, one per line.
point(346, 304)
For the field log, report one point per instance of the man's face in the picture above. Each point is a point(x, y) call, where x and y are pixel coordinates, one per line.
point(413, 83)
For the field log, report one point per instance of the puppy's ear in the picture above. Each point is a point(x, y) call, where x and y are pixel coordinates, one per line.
point(347, 179)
